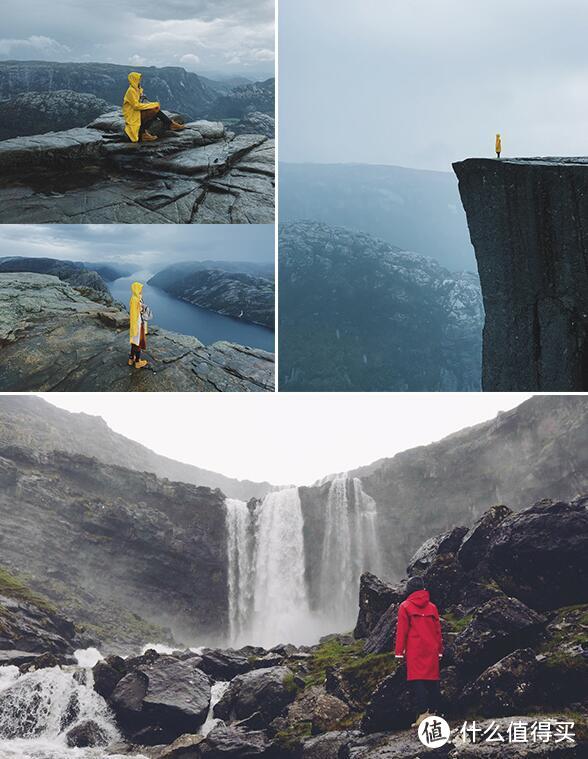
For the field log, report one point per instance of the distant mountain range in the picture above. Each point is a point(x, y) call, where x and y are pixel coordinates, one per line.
point(416, 210)
point(358, 314)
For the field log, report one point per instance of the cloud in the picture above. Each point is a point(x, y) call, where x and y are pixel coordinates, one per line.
point(37, 45)
point(137, 60)
point(190, 59)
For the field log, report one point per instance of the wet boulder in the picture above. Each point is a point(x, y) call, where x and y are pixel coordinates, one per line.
point(497, 628)
point(392, 706)
point(446, 543)
point(315, 706)
point(107, 674)
point(223, 664)
point(86, 734)
point(264, 690)
point(233, 742)
point(540, 554)
point(383, 635)
point(475, 544)
point(158, 702)
point(375, 596)
point(506, 687)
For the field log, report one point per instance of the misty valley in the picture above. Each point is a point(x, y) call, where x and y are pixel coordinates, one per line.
point(168, 611)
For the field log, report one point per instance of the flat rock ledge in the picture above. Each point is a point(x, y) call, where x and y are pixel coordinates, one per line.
point(53, 338)
point(203, 174)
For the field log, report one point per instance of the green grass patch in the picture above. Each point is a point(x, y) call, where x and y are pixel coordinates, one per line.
point(363, 675)
point(457, 624)
point(16, 587)
point(289, 740)
point(331, 653)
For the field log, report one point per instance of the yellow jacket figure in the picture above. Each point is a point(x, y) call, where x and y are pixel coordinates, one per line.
point(498, 145)
point(137, 327)
point(132, 107)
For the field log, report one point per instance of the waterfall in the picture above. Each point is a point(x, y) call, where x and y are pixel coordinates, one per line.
point(268, 591)
point(268, 598)
point(280, 597)
point(240, 548)
point(350, 547)
point(37, 709)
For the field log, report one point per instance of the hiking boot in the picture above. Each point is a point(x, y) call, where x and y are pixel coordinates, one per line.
point(147, 137)
point(176, 126)
point(130, 362)
point(419, 719)
point(140, 364)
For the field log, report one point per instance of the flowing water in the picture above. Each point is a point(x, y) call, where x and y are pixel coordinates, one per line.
point(269, 594)
point(179, 316)
point(217, 691)
point(38, 709)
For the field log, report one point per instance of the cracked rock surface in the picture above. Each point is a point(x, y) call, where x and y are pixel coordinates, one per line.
point(202, 174)
point(527, 220)
point(53, 337)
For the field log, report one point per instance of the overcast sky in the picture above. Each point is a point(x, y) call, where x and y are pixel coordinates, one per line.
point(422, 83)
point(146, 245)
point(287, 438)
point(227, 36)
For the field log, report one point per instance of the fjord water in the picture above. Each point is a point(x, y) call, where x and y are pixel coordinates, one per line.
point(179, 316)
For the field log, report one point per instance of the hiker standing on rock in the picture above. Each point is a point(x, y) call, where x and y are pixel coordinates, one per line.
point(139, 115)
point(137, 326)
point(419, 641)
point(498, 145)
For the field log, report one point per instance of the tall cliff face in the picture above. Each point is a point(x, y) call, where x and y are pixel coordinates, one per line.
point(528, 221)
point(536, 450)
point(106, 543)
point(27, 421)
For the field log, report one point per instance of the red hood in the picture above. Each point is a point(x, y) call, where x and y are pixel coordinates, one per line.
point(419, 598)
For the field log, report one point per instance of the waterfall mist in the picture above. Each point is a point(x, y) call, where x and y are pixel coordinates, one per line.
point(273, 596)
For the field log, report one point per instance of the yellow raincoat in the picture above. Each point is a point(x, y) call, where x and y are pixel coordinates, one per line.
point(135, 319)
point(498, 144)
point(132, 106)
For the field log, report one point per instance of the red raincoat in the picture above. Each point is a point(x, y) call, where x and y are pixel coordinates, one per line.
point(418, 636)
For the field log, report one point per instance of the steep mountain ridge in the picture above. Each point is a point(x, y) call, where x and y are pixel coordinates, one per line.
point(358, 314)
point(31, 422)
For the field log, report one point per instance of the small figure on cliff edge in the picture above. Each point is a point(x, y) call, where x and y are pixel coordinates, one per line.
point(419, 641)
point(137, 326)
point(498, 145)
point(140, 115)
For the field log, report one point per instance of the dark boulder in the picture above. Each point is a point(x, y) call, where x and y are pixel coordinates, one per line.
point(392, 706)
point(223, 664)
point(499, 627)
point(540, 554)
point(506, 687)
point(375, 596)
point(230, 741)
point(158, 702)
point(382, 637)
point(86, 734)
point(447, 542)
point(107, 674)
point(475, 545)
point(264, 690)
point(328, 745)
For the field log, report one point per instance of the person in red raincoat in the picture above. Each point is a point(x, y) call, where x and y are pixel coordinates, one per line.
point(419, 641)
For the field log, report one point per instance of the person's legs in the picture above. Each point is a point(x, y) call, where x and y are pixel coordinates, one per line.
point(433, 696)
point(135, 354)
point(147, 118)
point(420, 695)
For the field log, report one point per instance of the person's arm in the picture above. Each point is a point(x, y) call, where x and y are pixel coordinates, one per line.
point(401, 632)
point(134, 100)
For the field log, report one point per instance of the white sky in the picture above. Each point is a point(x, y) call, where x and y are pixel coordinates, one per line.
point(285, 438)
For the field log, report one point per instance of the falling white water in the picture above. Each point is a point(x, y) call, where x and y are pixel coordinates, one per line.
point(217, 691)
point(268, 591)
point(37, 709)
point(280, 597)
point(240, 549)
point(336, 567)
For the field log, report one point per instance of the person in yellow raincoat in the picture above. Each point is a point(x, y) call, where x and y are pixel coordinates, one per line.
point(498, 145)
point(137, 327)
point(139, 115)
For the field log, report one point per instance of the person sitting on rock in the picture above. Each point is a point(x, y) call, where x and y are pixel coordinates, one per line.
point(140, 115)
point(498, 145)
point(137, 327)
point(419, 641)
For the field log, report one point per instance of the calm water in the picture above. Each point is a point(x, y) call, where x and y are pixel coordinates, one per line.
point(179, 316)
